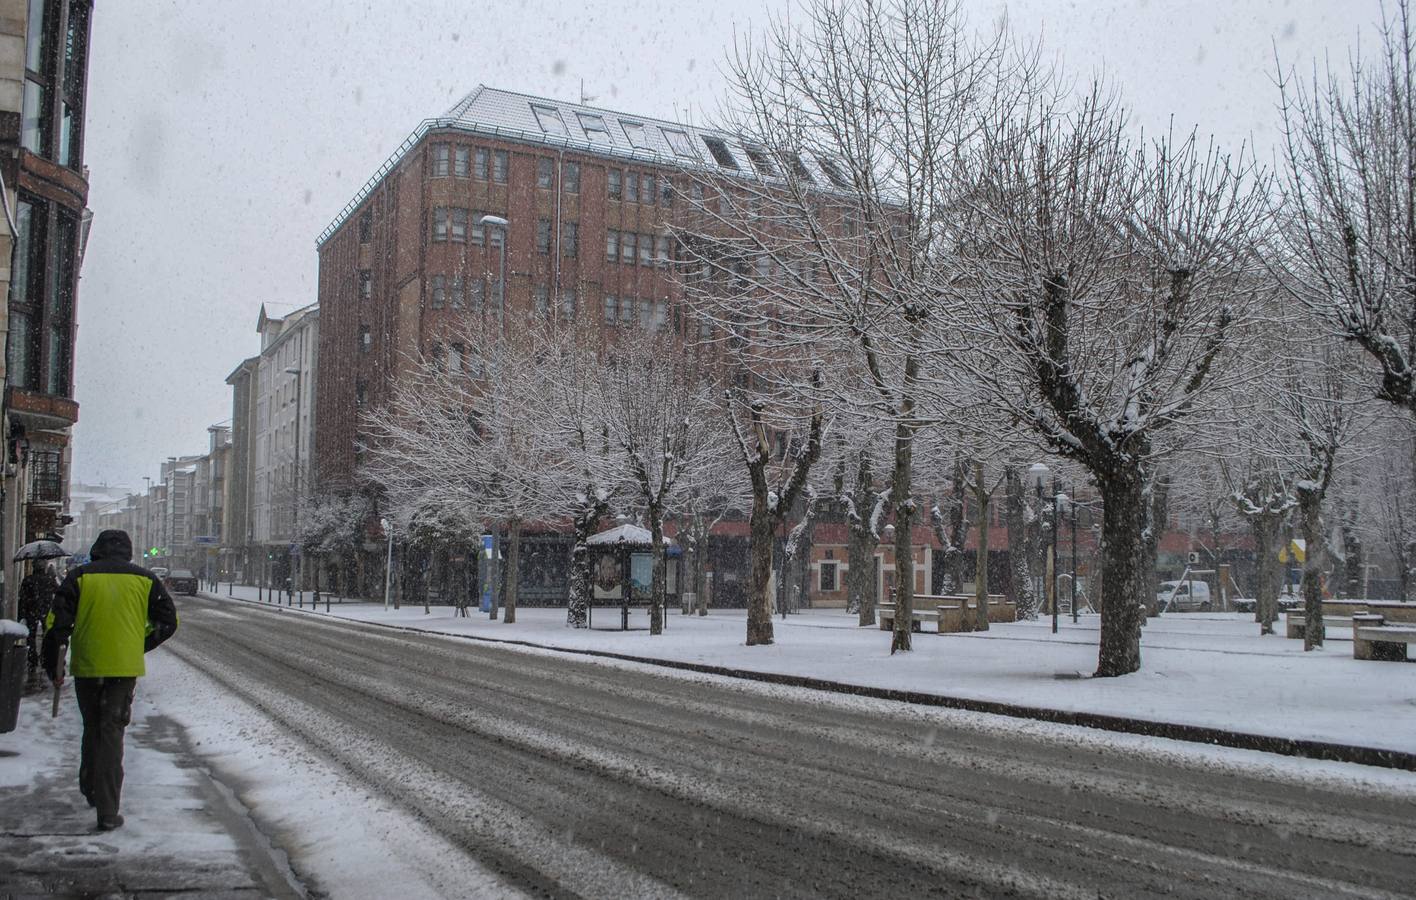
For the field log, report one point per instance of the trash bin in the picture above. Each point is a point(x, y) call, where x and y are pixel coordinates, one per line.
point(13, 663)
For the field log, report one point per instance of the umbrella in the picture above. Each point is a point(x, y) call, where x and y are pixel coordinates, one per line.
point(40, 550)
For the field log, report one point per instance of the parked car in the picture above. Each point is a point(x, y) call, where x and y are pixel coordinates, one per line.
point(159, 571)
point(1179, 597)
point(181, 581)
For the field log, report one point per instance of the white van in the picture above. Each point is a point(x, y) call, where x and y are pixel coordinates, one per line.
point(1176, 596)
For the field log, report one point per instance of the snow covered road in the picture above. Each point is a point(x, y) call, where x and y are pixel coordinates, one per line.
point(566, 777)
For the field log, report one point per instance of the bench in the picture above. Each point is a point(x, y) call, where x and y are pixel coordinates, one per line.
point(957, 612)
point(1373, 639)
point(886, 614)
point(1332, 625)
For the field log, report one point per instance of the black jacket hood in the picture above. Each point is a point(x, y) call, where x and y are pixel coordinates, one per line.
point(112, 544)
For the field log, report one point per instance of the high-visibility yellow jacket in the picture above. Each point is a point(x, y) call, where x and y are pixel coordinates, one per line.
point(110, 612)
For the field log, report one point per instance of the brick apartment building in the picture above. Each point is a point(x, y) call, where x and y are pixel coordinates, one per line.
point(587, 194)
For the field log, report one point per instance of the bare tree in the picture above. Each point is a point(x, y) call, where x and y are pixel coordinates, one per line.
point(1108, 281)
point(1349, 209)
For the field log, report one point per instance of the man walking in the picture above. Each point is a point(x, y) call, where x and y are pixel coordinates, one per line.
point(115, 612)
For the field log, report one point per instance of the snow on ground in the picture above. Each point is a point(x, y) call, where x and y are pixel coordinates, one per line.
point(346, 841)
point(1197, 668)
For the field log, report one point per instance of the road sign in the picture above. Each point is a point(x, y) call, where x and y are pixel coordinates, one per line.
point(206, 540)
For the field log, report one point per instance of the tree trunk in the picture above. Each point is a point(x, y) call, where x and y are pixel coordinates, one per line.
point(586, 518)
point(1266, 528)
point(981, 560)
point(903, 506)
point(700, 563)
point(759, 574)
point(1310, 505)
point(860, 572)
point(1020, 589)
point(1124, 516)
point(658, 583)
point(510, 577)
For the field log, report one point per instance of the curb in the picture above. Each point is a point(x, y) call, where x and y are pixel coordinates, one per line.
point(1196, 734)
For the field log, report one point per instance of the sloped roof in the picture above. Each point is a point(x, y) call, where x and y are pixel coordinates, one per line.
point(492, 112)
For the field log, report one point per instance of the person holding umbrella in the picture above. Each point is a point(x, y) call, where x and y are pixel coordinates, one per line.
point(36, 597)
point(37, 590)
point(115, 612)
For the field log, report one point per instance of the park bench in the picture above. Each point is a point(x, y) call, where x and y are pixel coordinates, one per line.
point(918, 616)
point(955, 610)
point(1333, 626)
point(1373, 639)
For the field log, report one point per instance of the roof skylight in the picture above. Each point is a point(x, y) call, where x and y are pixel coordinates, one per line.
point(549, 118)
point(635, 132)
point(760, 160)
point(594, 127)
point(678, 142)
point(719, 149)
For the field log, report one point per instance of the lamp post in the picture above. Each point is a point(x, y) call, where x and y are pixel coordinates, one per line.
point(147, 516)
point(388, 561)
point(295, 498)
point(502, 225)
point(1057, 498)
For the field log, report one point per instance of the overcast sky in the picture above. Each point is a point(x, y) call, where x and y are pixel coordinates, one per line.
point(223, 137)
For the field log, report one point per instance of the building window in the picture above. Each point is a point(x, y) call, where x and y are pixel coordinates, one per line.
point(570, 239)
point(612, 183)
point(611, 309)
point(361, 393)
point(71, 119)
point(549, 118)
point(454, 358)
point(543, 235)
point(757, 155)
point(631, 187)
point(35, 123)
point(627, 242)
point(833, 171)
point(646, 249)
point(459, 224)
point(540, 300)
point(437, 292)
point(611, 245)
point(594, 128)
point(442, 160)
point(440, 223)
point(366, 284)
point(568, 303)
point(666, 193)
point(479, 170)
point(545, 172)
point(366, 226)
point(828, 577)
point(46, 475)
point(647, 190)
point(678, 142)
point(477, 293)
point(661, 250)
point(570, 178)
point(462, 162)
point(499, 166)
point(366, 339)
point(719, 149)
point(479, 231)
point(638, 138)
point(455, 295)
point(26, 290)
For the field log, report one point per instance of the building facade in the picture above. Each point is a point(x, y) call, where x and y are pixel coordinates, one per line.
point(43, 87)
point(282, 387)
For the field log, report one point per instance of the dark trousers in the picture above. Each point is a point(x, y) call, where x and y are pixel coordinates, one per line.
point(106, 705)
point(34, 624)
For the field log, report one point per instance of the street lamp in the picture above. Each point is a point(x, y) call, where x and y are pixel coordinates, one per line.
point(295, 499)
point(147, 516)
point(502, 224)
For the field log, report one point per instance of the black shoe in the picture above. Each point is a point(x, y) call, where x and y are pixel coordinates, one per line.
point(108, 823)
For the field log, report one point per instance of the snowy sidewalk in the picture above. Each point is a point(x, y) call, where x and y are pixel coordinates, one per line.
point(1204, 670)
point(184, 833)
